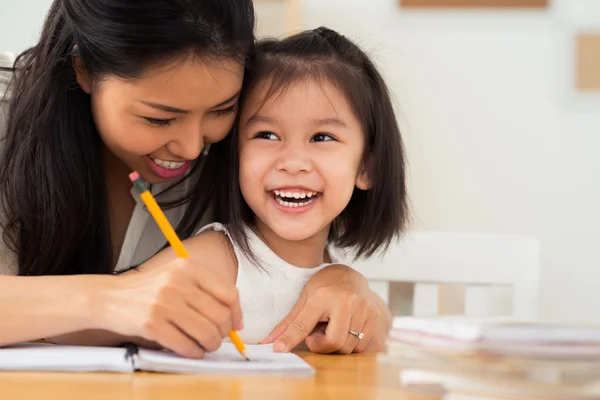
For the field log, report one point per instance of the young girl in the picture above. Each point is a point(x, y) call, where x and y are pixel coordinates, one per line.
point(316, 161)
point(113, 86)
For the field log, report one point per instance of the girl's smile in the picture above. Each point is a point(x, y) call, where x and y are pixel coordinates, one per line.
point(294, 200)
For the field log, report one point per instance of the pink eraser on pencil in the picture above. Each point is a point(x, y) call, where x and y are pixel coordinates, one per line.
point(134, 176)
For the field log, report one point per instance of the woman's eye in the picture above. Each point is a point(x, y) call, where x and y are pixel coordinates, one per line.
point(266, 135)
point(226, 111)
point(159, 122)
point(322, 137)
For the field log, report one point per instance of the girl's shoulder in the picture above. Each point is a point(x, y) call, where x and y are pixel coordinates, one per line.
point(217, 235)
point(213, 246)
point(214, 227)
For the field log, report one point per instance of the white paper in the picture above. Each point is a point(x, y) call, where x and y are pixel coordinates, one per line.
point(227, 360)
point(49, 357)
point(496, 329)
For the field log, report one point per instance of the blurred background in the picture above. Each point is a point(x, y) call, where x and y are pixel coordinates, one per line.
point(500, 110)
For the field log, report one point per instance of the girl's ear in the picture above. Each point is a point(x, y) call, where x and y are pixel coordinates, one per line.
point(81, 75)
point(363, 180)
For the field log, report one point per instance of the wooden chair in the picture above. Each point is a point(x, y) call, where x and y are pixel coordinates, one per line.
point(488, 265)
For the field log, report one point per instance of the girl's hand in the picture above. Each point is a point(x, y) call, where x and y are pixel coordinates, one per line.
point(177, 303)
point(339, 296)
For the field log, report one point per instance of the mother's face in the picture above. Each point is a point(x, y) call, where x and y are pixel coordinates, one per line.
point(159, 122)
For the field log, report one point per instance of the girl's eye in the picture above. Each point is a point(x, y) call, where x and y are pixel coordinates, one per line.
point(266, 135)
point(322, 137)
point(226, 111)
point(159, 122)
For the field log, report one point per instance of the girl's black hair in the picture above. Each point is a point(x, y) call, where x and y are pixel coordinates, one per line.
point(373, 217)
point(53, 197)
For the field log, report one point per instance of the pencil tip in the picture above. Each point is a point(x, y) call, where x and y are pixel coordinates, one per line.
point(245, 356)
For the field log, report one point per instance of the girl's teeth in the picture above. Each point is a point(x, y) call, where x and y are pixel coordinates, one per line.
point(294, 195)
point(292, 204)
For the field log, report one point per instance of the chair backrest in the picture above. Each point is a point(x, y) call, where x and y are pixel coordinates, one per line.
point(488, 265)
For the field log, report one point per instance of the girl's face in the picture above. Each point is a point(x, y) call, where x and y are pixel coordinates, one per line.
point(300, 158)
point(160, 122)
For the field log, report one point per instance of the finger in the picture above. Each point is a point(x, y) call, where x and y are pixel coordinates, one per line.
point(222, 290)
point(281, 327)
point(357, 325)
point(369, 330)
point(299, 328)
point(335, 334)
point(197, 327)
point(219, 315)
point(170, 337)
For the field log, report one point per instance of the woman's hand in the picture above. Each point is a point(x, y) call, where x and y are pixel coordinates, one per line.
point(177, 303)
point(339, 296)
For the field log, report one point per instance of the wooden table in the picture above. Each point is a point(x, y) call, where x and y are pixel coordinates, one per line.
point(358, 376)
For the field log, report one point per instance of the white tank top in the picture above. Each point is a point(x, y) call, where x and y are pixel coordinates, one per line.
point(267, 294)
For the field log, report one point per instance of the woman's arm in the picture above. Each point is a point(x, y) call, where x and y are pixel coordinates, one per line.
point(38, 307)
point(214, 248)
point(48, 307)
point(181, 305)
point(50, 285)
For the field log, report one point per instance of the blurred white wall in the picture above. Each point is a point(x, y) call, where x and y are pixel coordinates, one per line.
point(21, 22)
point(495, 142)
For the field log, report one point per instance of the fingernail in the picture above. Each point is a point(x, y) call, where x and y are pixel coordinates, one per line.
point(280, 347)
point(240, 325)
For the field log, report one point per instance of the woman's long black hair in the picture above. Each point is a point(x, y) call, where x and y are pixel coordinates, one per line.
point(52, 193)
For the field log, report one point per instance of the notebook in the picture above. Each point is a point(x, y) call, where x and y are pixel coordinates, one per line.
point(505, 336)
point(226, 360)
point(499, 329)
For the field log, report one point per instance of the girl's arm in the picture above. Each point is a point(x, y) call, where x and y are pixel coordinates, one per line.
point(212, 249)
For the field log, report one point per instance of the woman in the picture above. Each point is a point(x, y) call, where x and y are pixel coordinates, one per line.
point(111, 87)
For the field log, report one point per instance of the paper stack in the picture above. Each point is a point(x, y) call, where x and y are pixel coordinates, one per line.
point(494, 358)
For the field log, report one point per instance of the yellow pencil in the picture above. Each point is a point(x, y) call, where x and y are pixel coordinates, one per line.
point(167, 229)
